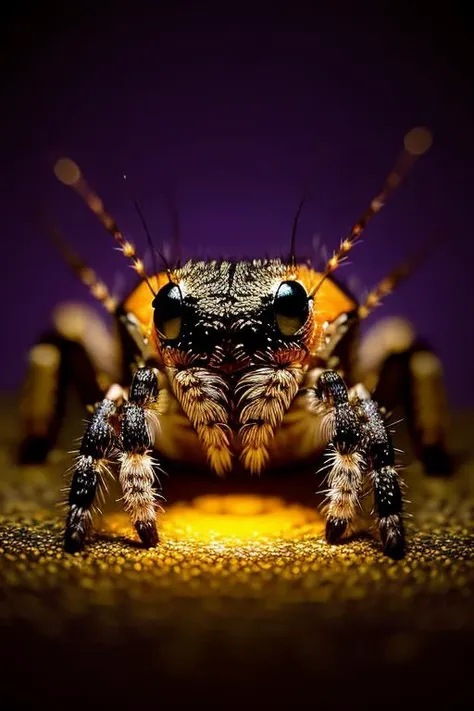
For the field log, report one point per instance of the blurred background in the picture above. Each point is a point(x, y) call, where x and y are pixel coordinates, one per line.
point(233, 116)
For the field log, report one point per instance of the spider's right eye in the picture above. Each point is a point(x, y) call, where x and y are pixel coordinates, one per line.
point(168, 306)
point(291, 307)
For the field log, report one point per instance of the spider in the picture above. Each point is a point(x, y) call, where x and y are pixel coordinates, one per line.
point(256, 363)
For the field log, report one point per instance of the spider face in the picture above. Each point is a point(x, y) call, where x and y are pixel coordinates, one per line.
point(235, 340)
point(230, 316)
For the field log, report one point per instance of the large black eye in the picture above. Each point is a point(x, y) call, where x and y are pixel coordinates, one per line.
point(291, 307)
point(168, 305)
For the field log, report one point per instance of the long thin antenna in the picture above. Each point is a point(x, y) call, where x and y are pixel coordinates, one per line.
point(86, 275)
point(167, 266)
point(416, 143)
point(294, 230)
point(70, 174)
point(176, 231)
point(140, 214)
point(402, 272)
point(148, 235)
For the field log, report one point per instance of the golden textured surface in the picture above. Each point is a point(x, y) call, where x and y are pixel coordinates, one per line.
point(242, 593)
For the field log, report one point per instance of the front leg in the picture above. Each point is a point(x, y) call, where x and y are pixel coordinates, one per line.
point(90, 466)
point(137, 473)
point(360, 444)
point(345, 459)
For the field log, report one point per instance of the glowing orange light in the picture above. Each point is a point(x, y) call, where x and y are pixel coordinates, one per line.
point(107, 221)
point(376, 204)
point(95, 204)
point(235, 519)
point(99, 290)
point(418, 141)
point(139, 268)
point(67, 171)
point(232, 521)
point(128, 249)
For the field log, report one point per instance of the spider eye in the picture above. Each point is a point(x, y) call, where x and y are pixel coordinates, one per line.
point(168, 306)
point(291, 307)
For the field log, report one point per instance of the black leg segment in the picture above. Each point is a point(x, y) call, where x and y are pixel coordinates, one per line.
point(360, 446)
point(388, 501)
point(137, 472)
point(89, 467)
point(345, 476)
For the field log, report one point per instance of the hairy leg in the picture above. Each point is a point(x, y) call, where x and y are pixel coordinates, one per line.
point(345, 459)
point(385, 481)
point(359, 445)
point(137, 473)
point(90, 466)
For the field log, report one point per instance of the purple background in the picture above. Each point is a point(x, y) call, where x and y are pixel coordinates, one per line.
point(235, 119)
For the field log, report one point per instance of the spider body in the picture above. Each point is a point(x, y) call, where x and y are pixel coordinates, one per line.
point(232, 343)
point(254, 363)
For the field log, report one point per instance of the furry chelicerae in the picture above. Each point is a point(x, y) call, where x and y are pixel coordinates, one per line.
point(255, 363)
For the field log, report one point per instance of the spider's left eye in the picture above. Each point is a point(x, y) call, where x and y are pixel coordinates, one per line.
point(168, 306)
point(291, 307)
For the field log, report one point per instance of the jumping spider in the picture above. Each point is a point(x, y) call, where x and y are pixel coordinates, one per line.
point(252, 360)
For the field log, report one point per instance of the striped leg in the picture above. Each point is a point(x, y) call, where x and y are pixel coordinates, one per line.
point(360, 445)
point(345, 458)
point(137, 472)
point(90, 466)
point(385, 480)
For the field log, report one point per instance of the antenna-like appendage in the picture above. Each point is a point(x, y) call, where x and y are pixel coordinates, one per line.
point(398, 275)
point(176, 231)
point(70, 174)
point(86, 274)
point(293, 232)
point(140, 214)
point(385, 287)
point(416, 143)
